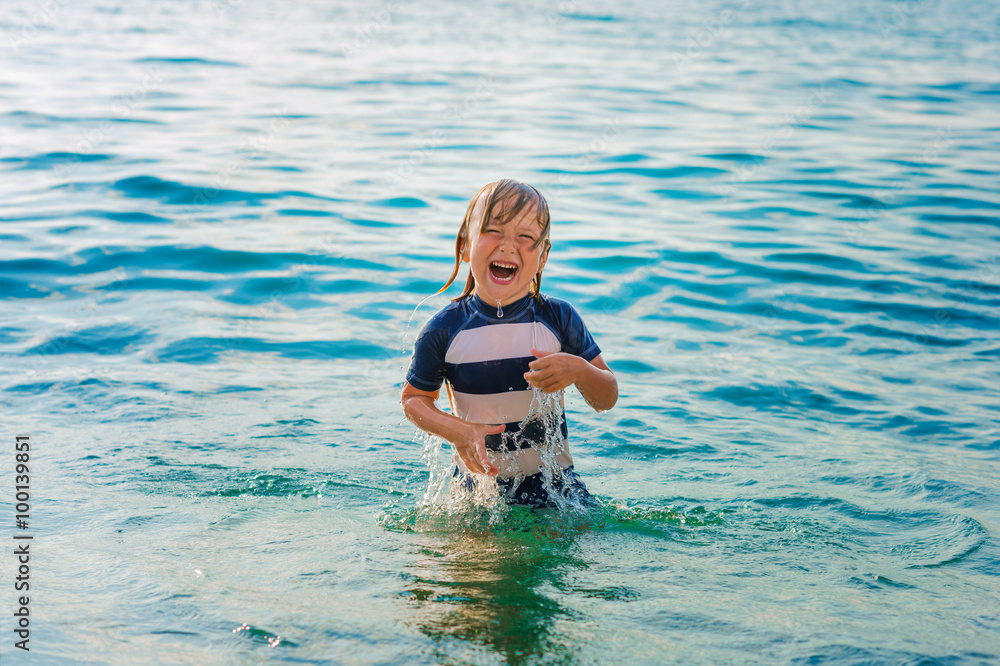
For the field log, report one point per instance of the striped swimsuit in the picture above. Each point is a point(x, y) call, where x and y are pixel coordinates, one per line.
point(483, 358)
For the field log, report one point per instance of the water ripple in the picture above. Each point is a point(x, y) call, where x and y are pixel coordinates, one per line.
point(207, 350)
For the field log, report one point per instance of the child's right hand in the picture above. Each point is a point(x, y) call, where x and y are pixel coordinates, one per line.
point(468, 438)
point(472, 448)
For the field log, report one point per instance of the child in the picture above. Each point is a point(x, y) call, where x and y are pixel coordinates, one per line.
point(497, 341)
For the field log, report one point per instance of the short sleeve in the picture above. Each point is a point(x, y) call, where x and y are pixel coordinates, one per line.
point(576, 339)
point(427, 369)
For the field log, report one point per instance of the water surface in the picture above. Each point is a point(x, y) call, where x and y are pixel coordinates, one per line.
point(780, 222)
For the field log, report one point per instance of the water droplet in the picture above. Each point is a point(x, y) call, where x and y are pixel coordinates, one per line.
point(499, 310)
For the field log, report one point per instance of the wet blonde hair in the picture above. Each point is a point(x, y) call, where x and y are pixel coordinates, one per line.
point(512, 197)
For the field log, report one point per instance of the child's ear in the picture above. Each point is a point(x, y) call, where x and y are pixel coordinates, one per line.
point(465, 252)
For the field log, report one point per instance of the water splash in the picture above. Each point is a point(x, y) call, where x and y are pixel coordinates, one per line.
point(413, 314)
point(454, 504)
point(475, 503)
point(465, 502)
point(545, 415)
point(404, 348)
point(445, 502)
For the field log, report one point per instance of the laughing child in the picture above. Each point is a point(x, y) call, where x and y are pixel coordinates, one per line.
point(495, 343)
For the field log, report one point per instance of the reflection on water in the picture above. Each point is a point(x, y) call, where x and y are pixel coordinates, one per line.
point(485, 583)
point(480, 590)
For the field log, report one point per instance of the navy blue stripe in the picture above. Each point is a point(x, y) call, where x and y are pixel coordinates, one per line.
point(533, 432)
point(487, 377)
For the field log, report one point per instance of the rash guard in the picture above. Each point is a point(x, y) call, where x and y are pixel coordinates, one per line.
point(483, 358)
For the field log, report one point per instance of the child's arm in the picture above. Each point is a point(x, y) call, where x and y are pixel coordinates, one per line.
point(552, 371)
point(469, 439)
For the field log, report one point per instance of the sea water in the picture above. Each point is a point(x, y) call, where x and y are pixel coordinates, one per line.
point(779, 220)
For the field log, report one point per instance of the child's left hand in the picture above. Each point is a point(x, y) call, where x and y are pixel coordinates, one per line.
point(553, 371)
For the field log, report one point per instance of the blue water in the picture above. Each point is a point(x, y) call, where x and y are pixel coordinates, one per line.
point(781, 221)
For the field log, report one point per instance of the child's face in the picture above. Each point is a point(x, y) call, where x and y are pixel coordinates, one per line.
point(501, 256)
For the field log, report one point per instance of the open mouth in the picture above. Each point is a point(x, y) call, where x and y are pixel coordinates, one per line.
point(502, 272)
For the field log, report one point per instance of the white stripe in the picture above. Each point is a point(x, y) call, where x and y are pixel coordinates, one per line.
point(524, 461)
point(497, 341)
point(509, 407)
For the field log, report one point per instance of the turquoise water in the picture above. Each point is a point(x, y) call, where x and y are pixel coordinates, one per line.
point(779, 220)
